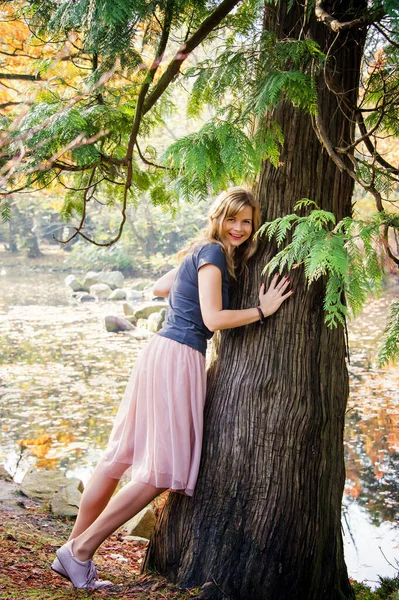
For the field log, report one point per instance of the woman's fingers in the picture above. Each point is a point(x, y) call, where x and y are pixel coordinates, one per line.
point(261, 291)
point(271, 300)
point(274, 282)
point(275, 294)
point(287, 295)
point(282, 286)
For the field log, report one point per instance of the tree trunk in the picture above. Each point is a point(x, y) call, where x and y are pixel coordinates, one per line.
point(265, 520)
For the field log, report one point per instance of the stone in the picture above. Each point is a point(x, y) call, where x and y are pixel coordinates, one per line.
point(133, 295)
point(155, 320)
point(142, 323)
point(73, 283)
point(148, 293)
point(5, 475)
point(42, 485)
point(142, 524)
point(128, 309)
point(142, 285)
point(10, 498)
point(119, 557)
point(118, 294)
point(141, 334)
point(145, 311)
point(131, 319)
point(65, 502)
point(100, 290)
point(90, 279)
point(115, 324)
point(84, 297)
point(114, 279)
point(135, 538)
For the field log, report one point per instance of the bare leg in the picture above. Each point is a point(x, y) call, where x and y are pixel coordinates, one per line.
point(132, 498)
point(95, 498)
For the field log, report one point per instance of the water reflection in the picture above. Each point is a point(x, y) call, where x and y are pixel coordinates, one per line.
point(371, 501)
point(62, 378)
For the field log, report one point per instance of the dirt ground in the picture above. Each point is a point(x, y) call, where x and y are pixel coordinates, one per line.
point(29, 537)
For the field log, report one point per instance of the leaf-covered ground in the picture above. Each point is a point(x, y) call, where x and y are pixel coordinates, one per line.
point(29, 537)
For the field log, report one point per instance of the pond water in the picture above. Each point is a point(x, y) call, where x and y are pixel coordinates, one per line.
point(62, 377)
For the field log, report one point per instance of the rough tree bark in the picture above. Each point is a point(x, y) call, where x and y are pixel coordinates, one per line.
point(265, 520)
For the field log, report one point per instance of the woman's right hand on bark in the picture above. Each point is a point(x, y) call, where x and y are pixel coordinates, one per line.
point(272, 299)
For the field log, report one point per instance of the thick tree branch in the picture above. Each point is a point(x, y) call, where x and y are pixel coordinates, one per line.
point(147, 82)
point(111, 160)
point(337, 26)
point(138, 116)
point(7, 104)
point(20, 76)
point(321, 133)
point(323, 138)
point(197, 38)
point(63, 166)
point(319, 129)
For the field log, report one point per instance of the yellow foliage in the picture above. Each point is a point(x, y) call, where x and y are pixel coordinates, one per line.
point(40, 441)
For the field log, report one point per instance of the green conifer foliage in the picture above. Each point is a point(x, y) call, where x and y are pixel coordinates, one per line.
point(348, 254)
point(390, 347)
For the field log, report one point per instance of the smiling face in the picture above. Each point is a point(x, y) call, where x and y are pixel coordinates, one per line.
point(237, 228)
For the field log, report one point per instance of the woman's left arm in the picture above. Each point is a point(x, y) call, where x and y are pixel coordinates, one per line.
point(210, 295)
point(164, 284)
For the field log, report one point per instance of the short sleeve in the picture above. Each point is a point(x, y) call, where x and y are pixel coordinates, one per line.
point(211, 254)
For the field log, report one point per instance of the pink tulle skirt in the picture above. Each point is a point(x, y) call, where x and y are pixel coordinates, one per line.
point(158, 428)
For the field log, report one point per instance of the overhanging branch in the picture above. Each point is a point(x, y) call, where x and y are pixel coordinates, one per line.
point(370, 146)
point(79, 228)
point(146, 101)
point(324, 140)
point(337, 26)
point(195, 40)
point(386, 36)
point(148, 162)
point(21, 76)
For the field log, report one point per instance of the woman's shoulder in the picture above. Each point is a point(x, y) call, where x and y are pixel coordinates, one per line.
point(209, 247)
point(203, 253)
point(211, 253)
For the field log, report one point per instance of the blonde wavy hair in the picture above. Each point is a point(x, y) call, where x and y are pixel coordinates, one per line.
point(226, 205)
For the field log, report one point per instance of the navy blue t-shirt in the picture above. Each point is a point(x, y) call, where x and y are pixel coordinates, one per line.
point(183, 322)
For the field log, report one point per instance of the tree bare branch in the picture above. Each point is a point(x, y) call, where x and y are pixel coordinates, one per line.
point(337, 26)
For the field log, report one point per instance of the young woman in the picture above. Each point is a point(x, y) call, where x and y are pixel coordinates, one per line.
point(158, 429)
